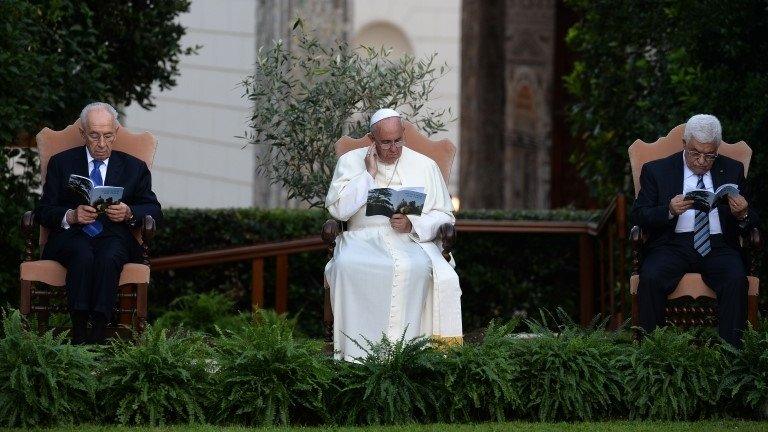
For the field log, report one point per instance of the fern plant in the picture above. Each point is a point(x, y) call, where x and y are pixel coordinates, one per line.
point(397, 382)
point(267, 376)
point(484, 381)
point(570, 373)
point(43, 379)
point(160, 379)
point(746, 377)
point(204, 312)
point(667, 377)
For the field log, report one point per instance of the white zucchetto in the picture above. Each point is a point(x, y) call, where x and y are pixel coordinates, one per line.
point(382, 114)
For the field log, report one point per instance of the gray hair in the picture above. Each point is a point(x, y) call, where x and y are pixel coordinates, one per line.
point(96, 106)
point(705, 128)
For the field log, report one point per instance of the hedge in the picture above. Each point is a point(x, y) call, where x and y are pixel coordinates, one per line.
point(502, 275)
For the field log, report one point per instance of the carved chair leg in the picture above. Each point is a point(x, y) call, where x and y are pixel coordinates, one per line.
point(25, 302)
point(327, 319)
point(141, 308)
point(635, 317)
point(43, 315)
point(752, 310)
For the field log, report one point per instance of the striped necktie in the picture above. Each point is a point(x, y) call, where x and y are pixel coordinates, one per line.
point(701, 227)
point(94, 228)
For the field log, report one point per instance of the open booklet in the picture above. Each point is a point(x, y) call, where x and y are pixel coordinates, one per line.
point(704, 200)
point(99, 197)
point(388, 201)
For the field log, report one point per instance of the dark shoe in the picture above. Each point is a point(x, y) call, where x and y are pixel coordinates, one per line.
point(98, 329)
point(79, 327)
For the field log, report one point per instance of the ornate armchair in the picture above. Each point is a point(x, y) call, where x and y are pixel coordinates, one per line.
point(442, 152)
point(42, 281)
point(691, 286)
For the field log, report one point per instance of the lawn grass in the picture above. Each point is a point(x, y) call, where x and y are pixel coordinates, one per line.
point(708, 426)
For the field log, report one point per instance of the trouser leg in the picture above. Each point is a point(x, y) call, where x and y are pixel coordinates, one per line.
point(723, 271)
point(662, 269)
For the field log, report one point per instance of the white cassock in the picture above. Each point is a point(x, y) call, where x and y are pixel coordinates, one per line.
point(383, 282)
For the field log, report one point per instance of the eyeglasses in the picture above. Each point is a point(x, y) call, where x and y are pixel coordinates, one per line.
point(386, 145)
point(96, 137)
point(709, 157)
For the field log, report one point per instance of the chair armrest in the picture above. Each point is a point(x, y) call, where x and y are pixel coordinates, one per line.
point(331, 229)
point(447, 234)
point(637, 238)
point(148, 230)
point(28, 228)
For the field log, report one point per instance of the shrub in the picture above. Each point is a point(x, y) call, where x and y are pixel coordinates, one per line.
point(570, 373)
point(484, 381)
point(159, 379)
point(667, 378)
point(397, 382)
point(266, 376)
point(746, 378)
point(43, 379)
point(203, 312)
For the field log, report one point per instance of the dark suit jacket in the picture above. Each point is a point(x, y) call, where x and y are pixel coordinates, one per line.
point(123, 170)
point(662, 179)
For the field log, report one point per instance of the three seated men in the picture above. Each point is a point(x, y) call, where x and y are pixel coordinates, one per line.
point(682, 239)
point(387, 276)
point(94, 246)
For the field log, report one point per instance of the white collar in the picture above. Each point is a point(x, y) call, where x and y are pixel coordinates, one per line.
point(90, 158)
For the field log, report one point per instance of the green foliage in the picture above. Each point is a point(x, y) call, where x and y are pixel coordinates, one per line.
point(570, 373)
point(160, 379)
point(43, 379)
point(397, 382)
point(746, 379)
point(204, 312)
point(666, 377)
point(306, 95)
point(642, 70)
point(484, 381)
point(267, 376)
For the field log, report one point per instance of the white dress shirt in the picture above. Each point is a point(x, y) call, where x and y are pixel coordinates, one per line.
point(102, 171)
point(687, 220)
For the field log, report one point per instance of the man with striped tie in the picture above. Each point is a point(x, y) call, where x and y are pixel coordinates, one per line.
point(94, 247)
point(682, 239)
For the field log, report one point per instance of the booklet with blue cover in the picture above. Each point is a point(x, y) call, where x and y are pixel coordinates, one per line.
point(99, 197)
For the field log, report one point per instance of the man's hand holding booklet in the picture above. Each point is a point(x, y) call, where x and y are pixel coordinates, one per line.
point(706, 201)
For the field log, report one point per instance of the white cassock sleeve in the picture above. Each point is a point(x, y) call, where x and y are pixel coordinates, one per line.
point(349, 187)
point(438, 208)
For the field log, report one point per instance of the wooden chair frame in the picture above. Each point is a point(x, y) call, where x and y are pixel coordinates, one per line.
point(40, 292)
point(442, 152)
point(691, 286)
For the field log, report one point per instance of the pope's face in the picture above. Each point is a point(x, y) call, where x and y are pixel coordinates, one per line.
point(99, 134)
point(699, 156)
point(389, 137)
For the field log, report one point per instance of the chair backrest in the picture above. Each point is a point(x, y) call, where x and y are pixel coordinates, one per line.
point(50, 142)
point(442, 151)
point(641, 152)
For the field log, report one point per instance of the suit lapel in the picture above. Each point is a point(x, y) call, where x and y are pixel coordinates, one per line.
point(114, 169)
point(678, 173)
point(718, 174)
point(81, 163)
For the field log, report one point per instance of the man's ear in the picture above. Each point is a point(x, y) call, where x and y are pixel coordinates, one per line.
point(370, 137)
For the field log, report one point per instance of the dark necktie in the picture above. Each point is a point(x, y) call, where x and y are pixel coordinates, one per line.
point(701, 227)
point(94, 228)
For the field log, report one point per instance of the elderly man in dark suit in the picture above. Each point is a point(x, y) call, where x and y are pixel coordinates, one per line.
point(92, 246)
point(682, 239)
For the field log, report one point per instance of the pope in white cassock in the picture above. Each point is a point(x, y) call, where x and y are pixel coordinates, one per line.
point(387, 276)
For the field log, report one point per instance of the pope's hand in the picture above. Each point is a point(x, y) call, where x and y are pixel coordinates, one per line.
point(370, 161)
point(400, 223)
